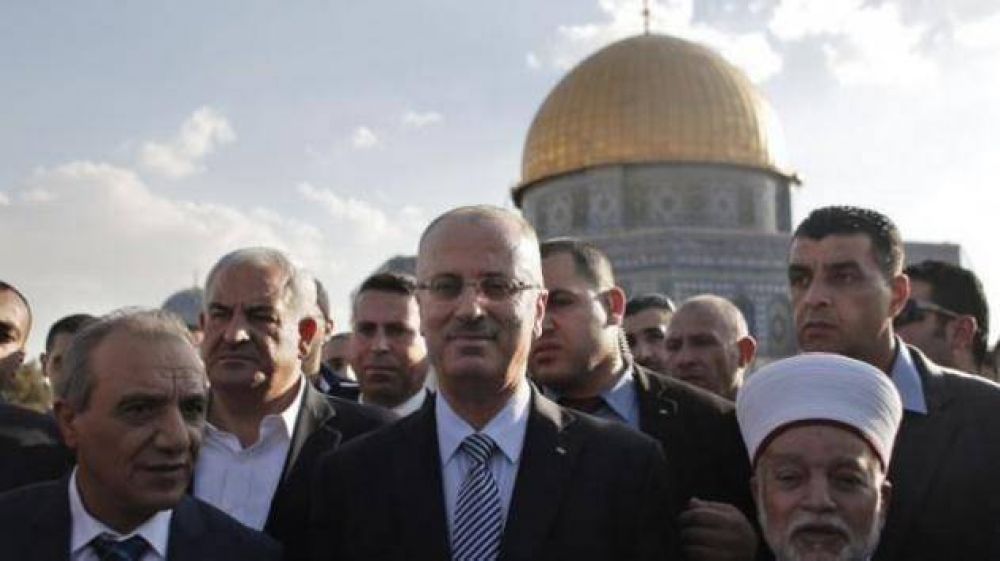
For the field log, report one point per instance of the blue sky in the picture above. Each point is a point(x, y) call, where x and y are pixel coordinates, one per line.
point(141, 140)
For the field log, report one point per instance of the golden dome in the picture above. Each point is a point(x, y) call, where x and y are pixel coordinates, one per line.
point(647, 99)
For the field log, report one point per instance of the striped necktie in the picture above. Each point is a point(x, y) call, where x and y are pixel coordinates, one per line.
point(478, 523)
point(109, 549)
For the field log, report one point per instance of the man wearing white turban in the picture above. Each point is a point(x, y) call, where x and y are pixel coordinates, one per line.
point(819, 430)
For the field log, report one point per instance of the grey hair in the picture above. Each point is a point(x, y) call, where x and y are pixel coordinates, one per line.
point(298, 288)
point(77, 381)
point(526, 242)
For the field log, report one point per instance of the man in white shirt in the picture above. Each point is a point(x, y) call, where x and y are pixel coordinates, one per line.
point(266, 424)
point(132, 405)
point(490, 468)
point(387, 351)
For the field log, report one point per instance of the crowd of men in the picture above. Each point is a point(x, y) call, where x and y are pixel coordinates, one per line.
point(511, 402)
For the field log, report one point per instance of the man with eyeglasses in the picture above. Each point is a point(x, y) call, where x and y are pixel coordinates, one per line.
point(846, 282)
point(490, 468)
point(946, 316)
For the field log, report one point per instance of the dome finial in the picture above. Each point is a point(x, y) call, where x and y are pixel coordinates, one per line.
point(645, 16)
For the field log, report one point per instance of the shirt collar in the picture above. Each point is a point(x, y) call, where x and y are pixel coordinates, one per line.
point(85, 527)
point(412, 404)
point(506, 428)
point(905, 376)
point(283, 422)
point(619, 397)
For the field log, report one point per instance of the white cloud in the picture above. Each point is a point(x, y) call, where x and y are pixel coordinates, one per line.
point(364, 138)
point(38, 195)
point(418, 120)
point(751, 51)
point(864, 43)
point(369, 222)
point(105, 240)
point(4, 199)
point(532, 61)
point(982, 33)
point(183, 155)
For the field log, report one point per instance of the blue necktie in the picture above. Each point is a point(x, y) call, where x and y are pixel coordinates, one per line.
point(108, 549)
point(478, 523)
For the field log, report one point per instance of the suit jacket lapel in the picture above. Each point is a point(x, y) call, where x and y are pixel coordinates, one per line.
point(425, 534)
point(920, 445)
point(313, 414)
point(186, 532)
point(655, 407)
point(311, 436)
point(550, 450)
point(52, 523)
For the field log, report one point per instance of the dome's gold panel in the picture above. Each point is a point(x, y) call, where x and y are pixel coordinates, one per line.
point(651, 98)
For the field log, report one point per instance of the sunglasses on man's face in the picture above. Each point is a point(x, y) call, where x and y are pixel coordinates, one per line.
point(917, 310)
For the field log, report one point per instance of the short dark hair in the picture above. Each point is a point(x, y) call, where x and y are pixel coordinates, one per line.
point(959, 290)
point(20, 296)
point(588, 260)
point(390, 281)
point(394, 282)
point(649, 301)
point(847, 220)
point(69, 325)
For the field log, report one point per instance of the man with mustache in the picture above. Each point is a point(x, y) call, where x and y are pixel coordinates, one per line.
point(267, 426)
point(131, 403)
point(490, 468)
point(819, 431)
point(846, 280)
point(388, 353)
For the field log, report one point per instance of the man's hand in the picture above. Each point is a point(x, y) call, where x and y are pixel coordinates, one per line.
point(712, 531)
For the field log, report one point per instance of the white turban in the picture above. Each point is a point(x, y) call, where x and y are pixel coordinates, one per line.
point(819, 387)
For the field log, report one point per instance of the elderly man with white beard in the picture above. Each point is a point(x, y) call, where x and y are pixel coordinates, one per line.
point(819, 429)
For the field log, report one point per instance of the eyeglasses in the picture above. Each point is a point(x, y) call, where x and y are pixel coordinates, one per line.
point(446, 288)
point(916, 310)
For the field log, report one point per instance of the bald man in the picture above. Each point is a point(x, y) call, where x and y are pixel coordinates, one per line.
point(708, 345)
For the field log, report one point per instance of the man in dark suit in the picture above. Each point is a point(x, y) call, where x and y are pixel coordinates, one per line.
point(132, 405)
point(30, 447)
point(580, 359)
point(267, 426)
point(846, 283)
point(490, 469)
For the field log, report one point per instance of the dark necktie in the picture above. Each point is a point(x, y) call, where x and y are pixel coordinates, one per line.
point(478, 523)
point(585, 404)
point(108, 549)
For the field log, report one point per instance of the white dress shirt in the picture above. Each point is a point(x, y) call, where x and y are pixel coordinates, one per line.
point(241, 481)
point(85, 528)
point(506, 428)
point(411, 404)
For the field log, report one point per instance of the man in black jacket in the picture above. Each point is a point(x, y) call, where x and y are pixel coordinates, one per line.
point(580, 359)
point(267, 426)
point(132, 405)
point(30, 447)
point(845, 272)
